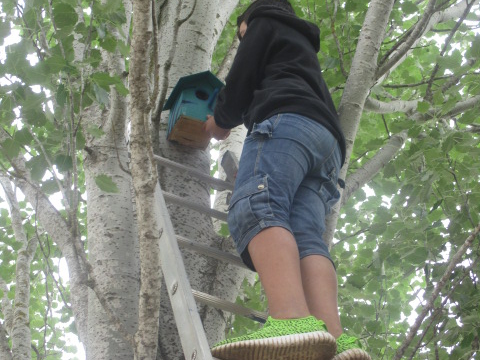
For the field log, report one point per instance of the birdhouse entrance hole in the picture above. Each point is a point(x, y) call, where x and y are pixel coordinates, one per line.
point(201, 94)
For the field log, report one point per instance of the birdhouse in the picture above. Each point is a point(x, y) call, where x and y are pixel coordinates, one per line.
point(192, 99)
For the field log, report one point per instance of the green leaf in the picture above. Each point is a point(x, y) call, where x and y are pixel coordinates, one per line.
point(105, 183)
point(101, 95)
point(37, 165)
point(409, 7)
point(224, 231)
point(474, 50)
point(23, 137)
point(61, 95)
point(64, 15)
point(95, 131)
point(423, 107)
point(378, 229)
point(64, 162)
point(105, 81)
point(50, 187)
point(10, 148)
point(4, 30)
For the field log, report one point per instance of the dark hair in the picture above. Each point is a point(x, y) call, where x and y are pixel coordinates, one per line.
point(282, 4)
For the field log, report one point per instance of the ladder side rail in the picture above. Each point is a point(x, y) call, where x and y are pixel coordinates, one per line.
point(215, 183)
point(210, 251)
point(178, 200)
point(193, 338)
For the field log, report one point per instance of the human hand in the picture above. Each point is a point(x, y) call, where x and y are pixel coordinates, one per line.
point(214, 130)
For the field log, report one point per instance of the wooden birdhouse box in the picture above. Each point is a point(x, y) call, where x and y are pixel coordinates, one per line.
point(192, 99)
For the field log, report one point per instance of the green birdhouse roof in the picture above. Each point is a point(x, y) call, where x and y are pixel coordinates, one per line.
point(205, 77)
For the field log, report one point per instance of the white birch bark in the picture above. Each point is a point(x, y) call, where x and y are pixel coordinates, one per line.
point(187, 35)
point(144, 174)
point(368, 171)
point(380, 107)
point(112, 241)
point(359, 82)
point(7, 325)
point(7, 308)
point(20, 332)
point(5, 352)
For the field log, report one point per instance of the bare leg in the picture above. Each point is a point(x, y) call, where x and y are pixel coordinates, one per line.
point(320, 286)
point(275, 255)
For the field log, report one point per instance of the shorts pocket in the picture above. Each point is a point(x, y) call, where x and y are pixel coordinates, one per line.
point(328, 191)
point(262, 130)
point(249, 204)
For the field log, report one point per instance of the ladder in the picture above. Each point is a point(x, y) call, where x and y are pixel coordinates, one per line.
point(182, 297)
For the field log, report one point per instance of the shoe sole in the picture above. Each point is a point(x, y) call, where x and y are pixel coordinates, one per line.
point(318, 345)
point(353, 354)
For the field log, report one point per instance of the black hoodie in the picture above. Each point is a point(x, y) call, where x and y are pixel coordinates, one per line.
point(275, 71)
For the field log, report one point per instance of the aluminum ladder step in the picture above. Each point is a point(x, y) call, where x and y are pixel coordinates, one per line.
point(182, 297)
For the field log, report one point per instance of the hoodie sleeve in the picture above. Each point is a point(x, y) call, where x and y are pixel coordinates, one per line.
point(245, 74)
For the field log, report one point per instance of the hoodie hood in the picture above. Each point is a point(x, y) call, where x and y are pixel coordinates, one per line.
point(309, 30)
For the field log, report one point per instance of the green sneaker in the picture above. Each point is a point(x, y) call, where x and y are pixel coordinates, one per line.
point(289, 339)
point(349, 348)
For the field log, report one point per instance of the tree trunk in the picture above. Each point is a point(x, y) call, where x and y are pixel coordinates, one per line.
point(112, 241)
point(359, 82)
point(187, 36)
point(20, 327)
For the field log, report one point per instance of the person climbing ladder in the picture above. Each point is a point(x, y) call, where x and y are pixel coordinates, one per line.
point(285, 186)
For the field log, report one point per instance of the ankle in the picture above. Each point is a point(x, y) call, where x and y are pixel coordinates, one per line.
point(289, 315)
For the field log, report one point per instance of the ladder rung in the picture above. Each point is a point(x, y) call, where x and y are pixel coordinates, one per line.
point(218, 303)
point(217, 184)
point(210, 251)
point(178, 200)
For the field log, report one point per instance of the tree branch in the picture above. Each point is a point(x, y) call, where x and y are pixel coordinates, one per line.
point(166, 69)
point(20, 335)
point(144, 176)
point(337, 42)
point(408, 41)
point(401, 54)
point(368, 171)
point(359, 82)
point(443, 304)
point(227, 61)
point(381, 107)
point(7, 308)
point(5, 352)
point(428, 92)
point(436, 292)
point(457, 109)
point(53, 222)
point(52, 170)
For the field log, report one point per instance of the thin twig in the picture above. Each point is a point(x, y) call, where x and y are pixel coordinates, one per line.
point(337, 42)
point(429, 93)
point(436, 292)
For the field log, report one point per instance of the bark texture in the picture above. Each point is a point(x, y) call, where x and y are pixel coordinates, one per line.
point(20, 326)
point(187, 33)
point(144, 174)
point(357, 87)
point(112, 240)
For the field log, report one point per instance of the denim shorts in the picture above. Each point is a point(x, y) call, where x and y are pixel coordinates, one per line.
point(287, 177)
